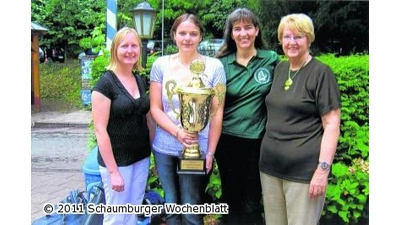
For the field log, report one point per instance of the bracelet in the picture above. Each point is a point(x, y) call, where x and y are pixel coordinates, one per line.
point(177, 131)
point(211, 154)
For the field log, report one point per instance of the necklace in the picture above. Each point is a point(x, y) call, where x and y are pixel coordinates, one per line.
point(289, 81)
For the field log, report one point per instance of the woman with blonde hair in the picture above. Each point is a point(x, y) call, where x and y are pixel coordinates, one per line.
point(302, 130)
point(123, 126)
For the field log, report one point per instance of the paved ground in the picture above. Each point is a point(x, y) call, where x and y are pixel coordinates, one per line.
point(49, 183)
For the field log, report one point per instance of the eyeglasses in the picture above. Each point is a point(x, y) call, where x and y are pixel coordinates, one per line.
point(295, 37)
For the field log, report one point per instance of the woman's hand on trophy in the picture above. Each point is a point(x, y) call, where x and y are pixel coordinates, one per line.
point(188, 142)
point(186, 138)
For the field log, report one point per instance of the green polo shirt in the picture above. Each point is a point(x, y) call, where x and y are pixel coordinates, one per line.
point(245, 112)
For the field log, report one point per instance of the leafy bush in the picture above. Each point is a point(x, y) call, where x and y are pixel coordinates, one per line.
point(348, 193)
point(61, 82)
point(214, 185)
point(348, 189)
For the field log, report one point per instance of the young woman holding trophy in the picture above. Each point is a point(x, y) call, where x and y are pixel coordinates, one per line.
point(249, 72)
point(186, 101)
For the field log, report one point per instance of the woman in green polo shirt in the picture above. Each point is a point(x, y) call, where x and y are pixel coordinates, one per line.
point(249, 71)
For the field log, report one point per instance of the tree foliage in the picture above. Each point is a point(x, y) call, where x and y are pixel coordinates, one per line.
point(340, 26)
point(67, 20)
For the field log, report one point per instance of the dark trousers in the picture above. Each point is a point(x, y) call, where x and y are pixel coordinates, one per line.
point(237, 160)
point(180, 189)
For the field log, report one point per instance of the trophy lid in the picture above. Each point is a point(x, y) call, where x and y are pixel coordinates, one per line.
point(197, 67)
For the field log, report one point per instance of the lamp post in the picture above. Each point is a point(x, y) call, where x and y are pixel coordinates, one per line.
point(144, 18)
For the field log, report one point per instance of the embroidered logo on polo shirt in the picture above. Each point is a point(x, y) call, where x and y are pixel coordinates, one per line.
point(262, 76)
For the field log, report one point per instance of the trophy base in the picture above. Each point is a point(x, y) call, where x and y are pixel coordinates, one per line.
point(195, 166)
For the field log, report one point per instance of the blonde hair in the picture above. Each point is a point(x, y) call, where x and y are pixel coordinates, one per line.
point(297, 22)
point(119, 36)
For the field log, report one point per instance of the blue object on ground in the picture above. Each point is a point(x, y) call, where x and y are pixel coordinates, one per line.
point(91, 168)
point(76, 215)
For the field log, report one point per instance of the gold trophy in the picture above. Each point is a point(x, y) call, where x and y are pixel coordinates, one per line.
point(195, 111)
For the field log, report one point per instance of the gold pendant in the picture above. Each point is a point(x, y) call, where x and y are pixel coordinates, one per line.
point(288, 83)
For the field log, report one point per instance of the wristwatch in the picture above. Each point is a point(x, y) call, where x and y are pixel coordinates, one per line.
point(324, 165)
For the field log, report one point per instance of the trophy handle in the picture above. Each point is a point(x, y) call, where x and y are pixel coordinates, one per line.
point(219, 92)
point(170, 93)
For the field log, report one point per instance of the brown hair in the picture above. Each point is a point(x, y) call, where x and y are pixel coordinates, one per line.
point(185, 17)
point(239, 14)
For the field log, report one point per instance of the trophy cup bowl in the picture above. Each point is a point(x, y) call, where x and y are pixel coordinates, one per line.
point(195, 108)
point(194, 115)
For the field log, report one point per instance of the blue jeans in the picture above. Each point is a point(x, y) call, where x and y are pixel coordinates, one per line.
point(180, 189)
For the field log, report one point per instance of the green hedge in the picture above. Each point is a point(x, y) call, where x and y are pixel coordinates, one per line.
point(61, 82)
point(347, 195)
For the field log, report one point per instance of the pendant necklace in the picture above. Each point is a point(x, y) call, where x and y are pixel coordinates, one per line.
point(289, 81)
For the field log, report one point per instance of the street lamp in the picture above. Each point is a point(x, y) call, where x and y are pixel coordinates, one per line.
point(144, 18)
